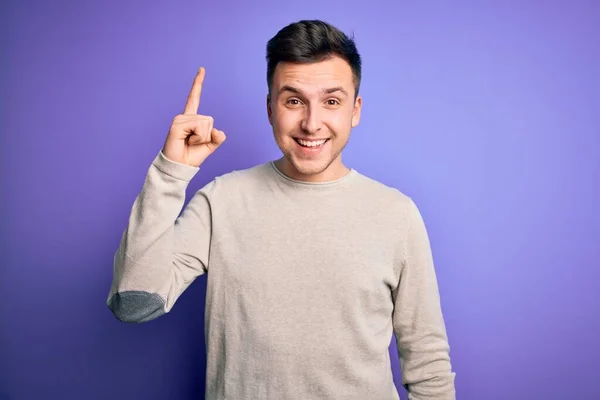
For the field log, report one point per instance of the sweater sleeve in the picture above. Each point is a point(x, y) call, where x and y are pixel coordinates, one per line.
point(418, 322)
point(161, 252)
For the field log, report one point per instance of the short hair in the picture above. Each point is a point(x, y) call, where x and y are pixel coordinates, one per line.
point(308, 41)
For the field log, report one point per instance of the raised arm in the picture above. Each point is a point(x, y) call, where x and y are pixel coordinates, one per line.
point(163, 249)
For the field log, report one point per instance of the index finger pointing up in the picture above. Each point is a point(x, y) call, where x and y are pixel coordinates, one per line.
point(193, 100)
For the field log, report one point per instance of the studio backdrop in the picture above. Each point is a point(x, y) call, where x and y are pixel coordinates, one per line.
point(485, 113)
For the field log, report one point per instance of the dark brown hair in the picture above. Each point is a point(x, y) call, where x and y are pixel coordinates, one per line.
point(310, 41)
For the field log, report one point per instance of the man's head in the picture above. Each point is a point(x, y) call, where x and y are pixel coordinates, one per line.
point(313, 76)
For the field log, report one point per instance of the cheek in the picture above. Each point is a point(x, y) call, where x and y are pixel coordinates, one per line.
point(280, 125)
point(284, 121)
point(281, 130)
point(340, 122)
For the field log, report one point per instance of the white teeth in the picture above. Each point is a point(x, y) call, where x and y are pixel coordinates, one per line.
point(311, 143)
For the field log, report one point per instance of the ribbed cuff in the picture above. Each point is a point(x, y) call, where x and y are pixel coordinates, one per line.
point(177, 170)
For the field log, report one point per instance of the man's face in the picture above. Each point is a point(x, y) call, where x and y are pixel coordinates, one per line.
point(312, 109)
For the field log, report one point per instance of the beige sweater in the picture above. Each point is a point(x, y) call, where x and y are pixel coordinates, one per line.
point(306, 282)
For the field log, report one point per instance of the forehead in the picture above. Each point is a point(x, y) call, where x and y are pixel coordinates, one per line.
point(318, 75)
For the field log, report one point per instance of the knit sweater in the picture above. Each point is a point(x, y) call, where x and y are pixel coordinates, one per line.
point(306, 282)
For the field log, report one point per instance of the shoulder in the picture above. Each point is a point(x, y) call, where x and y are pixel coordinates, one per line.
point(250, 175)
point(380, 194)
point(237, 181)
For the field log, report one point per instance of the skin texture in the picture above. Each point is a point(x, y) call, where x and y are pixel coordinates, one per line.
point(313, 101)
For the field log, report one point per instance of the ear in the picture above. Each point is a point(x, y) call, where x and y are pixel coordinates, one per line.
point(269, 113)
point(356, 111)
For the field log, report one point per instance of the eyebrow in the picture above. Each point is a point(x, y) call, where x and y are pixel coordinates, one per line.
point(292, 89)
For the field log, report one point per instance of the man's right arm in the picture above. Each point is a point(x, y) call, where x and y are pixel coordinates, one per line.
point(161, 253)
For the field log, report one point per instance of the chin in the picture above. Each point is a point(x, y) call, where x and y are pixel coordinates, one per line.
point(309, 167)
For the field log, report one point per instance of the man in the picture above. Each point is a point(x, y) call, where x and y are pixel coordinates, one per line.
point(311, 266)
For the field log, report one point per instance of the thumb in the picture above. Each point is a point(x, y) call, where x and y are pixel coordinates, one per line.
point(217, 137)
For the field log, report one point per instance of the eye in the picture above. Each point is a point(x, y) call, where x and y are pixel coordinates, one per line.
point(293, 102)
point(333, 102)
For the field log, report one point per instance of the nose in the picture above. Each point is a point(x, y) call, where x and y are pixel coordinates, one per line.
point(311, 122)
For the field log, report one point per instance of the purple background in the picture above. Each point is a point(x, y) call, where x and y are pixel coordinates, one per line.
point(488, 115)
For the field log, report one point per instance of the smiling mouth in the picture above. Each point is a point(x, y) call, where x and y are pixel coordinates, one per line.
point(311, 144)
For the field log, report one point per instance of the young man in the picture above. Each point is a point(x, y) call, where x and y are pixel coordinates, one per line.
point(311, 266)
